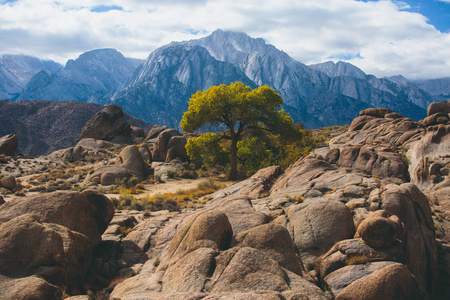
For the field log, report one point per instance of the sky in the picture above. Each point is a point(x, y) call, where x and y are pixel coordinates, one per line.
point(383, 38)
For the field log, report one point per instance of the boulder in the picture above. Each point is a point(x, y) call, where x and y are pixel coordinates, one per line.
point(251, 270)
point(332, 156)
point(176, 149)
point(412, 208)
point(137, 132)
point(145, 153)
point(189, 273)
point(155, 131)
point(377, 231)
point(274, 240)
point(161, 146)
point(32, 287)
point(131, 165)
point(393, 116)
point(378, 112)
point(71, 209)
point(439, 107)
point(206, 230)
point(317, 226)
point(8, 144)
point(102, 210)
point(8, 182)
point(43, 246)
point(359, 122)
point(392, 282)
point(356, 251)
point(109, 124)
point(2, 201)
point(52, 251)
point(436, 119)
point(131, 159)
point(338, 280)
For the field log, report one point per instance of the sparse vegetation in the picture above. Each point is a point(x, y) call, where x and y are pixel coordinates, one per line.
point(357, 259)
point(170, 201)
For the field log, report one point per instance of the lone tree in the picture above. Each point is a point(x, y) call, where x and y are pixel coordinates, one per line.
point(239, 111)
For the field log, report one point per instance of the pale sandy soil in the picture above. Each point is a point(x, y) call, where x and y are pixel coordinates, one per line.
point(170, 186)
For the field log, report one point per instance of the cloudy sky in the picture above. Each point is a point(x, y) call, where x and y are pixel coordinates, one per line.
point(383, 38)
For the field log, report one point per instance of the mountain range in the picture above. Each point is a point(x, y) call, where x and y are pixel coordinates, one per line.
point(157, 90)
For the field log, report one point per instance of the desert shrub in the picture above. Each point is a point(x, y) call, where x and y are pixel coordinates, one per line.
point(79, 188)
point(189, 174)
point(171, 173)
point(357, 259)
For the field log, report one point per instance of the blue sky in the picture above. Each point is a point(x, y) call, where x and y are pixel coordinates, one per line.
point(383, 38)
point(437, 11)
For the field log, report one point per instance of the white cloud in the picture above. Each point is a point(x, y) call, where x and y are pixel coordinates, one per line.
point(379, 37)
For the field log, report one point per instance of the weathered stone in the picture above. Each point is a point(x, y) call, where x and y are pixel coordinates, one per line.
point(341, 278)
point(439, 107)
point(161, 146)
point(108, 124)
point(251, 270)
point(8, 144)
point(393, 116)
point(70, 209)
point(8, 182)
point(332, 156)
point(412, 207)
point(392, 282)
point(375, 112)
point(155, 131)
point(206, 230)
point(436, 119)
point(359, 122)
point(33, 288)
point(132, 165)
point(316, 227)
point(189, 273)
point(275, 241)
point(176, 149)
point(378, 232)
point(355, 251)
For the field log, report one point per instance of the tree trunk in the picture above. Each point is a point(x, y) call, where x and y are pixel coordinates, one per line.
point(233, 168)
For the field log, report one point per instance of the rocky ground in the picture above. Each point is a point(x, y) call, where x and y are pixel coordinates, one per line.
point(366, 217)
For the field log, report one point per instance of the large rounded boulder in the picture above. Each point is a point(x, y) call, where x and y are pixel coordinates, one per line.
point(86, 214)
point(109, 124)
point(8, 144)
point(317, 226)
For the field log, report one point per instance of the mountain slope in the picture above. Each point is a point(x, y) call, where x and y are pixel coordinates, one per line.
point(160, 90)
point(45, 126)
point(318, 97)
point(92, 76)
point(17, 70)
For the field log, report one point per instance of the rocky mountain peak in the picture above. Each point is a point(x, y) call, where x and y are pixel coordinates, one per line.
point(340, 68)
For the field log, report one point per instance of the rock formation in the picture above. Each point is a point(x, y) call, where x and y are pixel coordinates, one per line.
point(109, 125)
point(46, 242)
point(8, 144)
point(43, 127)
point(366, 217)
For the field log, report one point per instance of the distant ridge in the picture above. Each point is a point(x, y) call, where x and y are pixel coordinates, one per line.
point(158, 89)
point(45, 126)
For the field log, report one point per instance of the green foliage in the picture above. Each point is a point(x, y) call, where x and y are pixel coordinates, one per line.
point(253, 154)
point(208, 148)
point(242, 113)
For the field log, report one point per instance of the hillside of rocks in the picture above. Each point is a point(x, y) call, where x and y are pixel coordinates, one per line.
point(366, 217)
point(45, 126)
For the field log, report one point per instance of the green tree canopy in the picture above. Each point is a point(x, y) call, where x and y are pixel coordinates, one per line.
point(240, 111)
